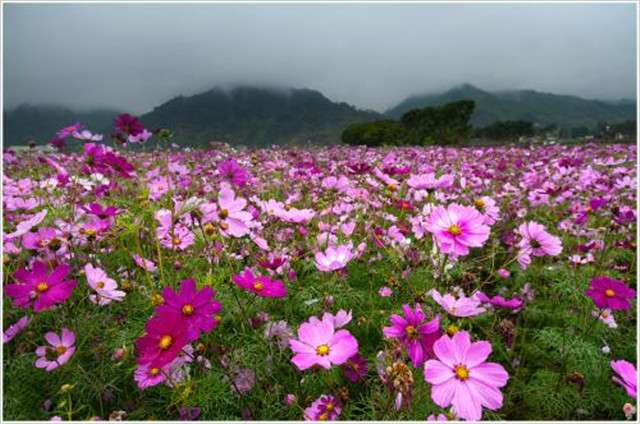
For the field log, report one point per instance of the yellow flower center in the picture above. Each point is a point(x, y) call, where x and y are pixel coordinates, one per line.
point(479, 203)
point(100, 284)
point(452, 329)
point(61, 349)
point(609, 293)
point(187, 309)
point(165, 342)
point(42, 287)
point(223, 214)
point(322, 350)
point(323, 417)
point(410, 330)
point(154, 371)
point(89, 232)
point(462, 373)
point(330, 406)
point(157, 299)
point(258, 286)
point(218, 317)
point(209, 229)
point(455, 230)
point(176, 241)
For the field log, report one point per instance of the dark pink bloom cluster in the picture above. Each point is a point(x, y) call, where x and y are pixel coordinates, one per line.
point(179, 321)
point(414, 332)
point(610, 293)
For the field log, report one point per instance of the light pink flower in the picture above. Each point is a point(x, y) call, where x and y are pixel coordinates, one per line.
point(145, 264)
point(536, 241)
point(106, 288)
point(231, 217)
point(461, 307)
point(15, 329)
point(58, 352)
point(319, 344)
point(457, 228)
point(461, 377)
point(334, 258)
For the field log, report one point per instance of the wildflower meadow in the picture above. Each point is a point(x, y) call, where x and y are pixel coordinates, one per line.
point(143, 280)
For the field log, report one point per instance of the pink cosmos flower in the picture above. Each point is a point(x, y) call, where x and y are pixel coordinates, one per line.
point(232, 219)
point(536, 241)
point(457, 228)
point(15, 329)
point(105, 287)
point(261, 285)
point(198, 307)
point(325, 408)
point(39, 288)
point(609, 293)
point(166, 334)
point(59, 351)
point(146, 376)
point(461, 307)
point(627, 376)
point(319, 344)
point(86, 135)
point(499, 301)
point(385, 291)
point(487, 207)
point(334, 258)
point(461, 377)
point(414, 332)
point(145, 264)
point(232, 171)
point(44, 238)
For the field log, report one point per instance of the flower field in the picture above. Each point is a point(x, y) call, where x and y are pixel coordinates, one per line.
point(333, 283)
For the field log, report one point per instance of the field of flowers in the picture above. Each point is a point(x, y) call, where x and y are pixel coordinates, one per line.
point(323, 284)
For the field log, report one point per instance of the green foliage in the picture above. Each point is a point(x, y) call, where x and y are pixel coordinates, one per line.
point(376, 133)
point(448, 124)
point(506, 130)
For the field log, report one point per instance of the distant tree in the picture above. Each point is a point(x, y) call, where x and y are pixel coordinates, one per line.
point(447, 124)
point(627, 128)
point(579, 132)
point(377, 133)
point(506, 130)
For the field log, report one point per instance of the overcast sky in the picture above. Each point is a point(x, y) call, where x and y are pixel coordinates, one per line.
point(135, 56)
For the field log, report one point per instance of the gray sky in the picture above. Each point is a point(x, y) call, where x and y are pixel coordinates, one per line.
point(136, 56)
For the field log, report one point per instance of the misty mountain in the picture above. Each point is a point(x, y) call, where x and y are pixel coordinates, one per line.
point(255, 116)
point(40, 123)
point(526, 105)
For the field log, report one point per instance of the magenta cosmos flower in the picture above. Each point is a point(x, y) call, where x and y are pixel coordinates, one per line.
point(325, 408)
point(39, 288)
point(461, 307)
point(461, 377)
point(355, 368)
point(59, 351)
point(166, 334)
point(457, 228)
point(536, 241)
point(334, 258)
point(319, 344)
point(128, 124)
point(414, 332)
point(197, 307)
point(261, 285)
point(609, 293)
point(627, 376)
point(232, 171)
